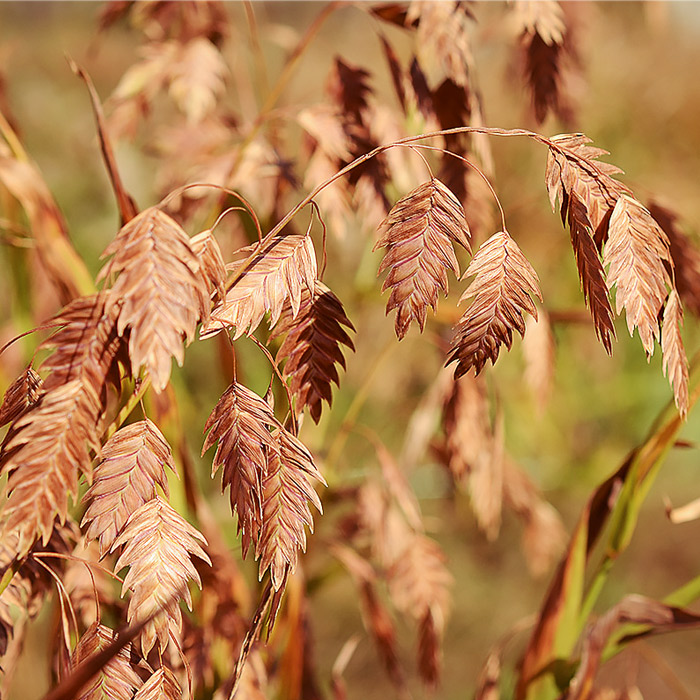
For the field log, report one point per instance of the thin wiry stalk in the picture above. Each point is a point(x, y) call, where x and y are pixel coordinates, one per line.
point(285, 386)
point(474, 167)
point(491, 131)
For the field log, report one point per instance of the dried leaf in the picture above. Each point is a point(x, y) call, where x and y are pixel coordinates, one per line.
point(160, 292)
point(418, 234)
point(132, 465)
point(635, 609)
point(312, 347)
point(127, 206)
point(117, 680)
point(675, 363)
point(683, 514)
point(65, 267)
point(504, 279)
point(272, 274)
point(637, 253)
point(21, 395)
point(157, 547)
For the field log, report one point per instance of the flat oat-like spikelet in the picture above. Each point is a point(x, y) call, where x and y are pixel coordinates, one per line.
point(686, 258)
point(21, 395)
point(544, 536)
point(637, 252)
point(157, 547)
point(540, 358)
point(132, 465)
point(160, 292)
point(573, 166)
point(375, 616)
point(419, 584)
point(467, 426)
point(287, 492)
point(501, 289)
point(197, 78)
point(24, 596)
point(443, 36)
point(211, 261)
point(275, 272)
point(590, 271)
point(162, 685)
point(43, 453)
point(542, 36)
point(312, 348)
point(86, 346)
point(50, 443)
point(418, 234)
point(675, 363)
point(241, 422)
point(116, 680)
point(475, 450)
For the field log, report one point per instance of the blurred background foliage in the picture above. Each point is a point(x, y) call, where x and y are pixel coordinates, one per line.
point(638, 97)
